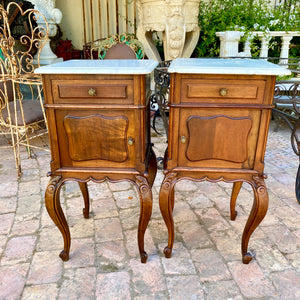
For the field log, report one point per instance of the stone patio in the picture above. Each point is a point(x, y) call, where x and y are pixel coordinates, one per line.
point(104, 261)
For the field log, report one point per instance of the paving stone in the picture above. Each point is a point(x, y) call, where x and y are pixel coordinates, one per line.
point(228, 244)
point(185, 287)
point(3, 240)
point(111, 253)
point(130, 217)
point(79, 284)
point(25, 227)
point(179, 263)
point(81, 227)
point(127, 199)
point(198, 200)
point(287, 283)
point(19, 250)
point(107, 230)
point(119, 186)
point(131, 243)
point(220, 290)
point(283, 238)
point(29, 205)
point(6, 221)
point(12, 281)
point(269, 258)
point(186, 186)
point(8, 205)
point(210, 265)
point(29, 188)
point(113, 286)
point(104, 208)
point(8, 189)
point(41, 292)
point(183, 212)
point(212, 220)
point(194, 235)
point(82, 253)
point(251, 280)
point(50, 239)
point(147, 278)
point(46, 267)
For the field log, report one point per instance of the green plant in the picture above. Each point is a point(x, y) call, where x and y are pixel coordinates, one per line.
point(243, 15)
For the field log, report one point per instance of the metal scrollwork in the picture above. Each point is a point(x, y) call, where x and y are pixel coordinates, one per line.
point(161, 94)
point(287, 107)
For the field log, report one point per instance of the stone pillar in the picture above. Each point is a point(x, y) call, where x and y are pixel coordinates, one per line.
point(229, 46)
point(264, 50)
point(285, 48)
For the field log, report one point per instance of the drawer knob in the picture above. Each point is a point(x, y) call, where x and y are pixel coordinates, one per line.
point(183, 139)
point(223, 92)
point(130, 141)
point(92, 92)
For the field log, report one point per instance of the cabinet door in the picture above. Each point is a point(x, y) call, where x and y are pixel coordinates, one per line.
point(96, 138)
point(222, 138)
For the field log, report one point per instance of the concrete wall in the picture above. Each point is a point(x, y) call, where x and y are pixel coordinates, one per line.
point(72, 21)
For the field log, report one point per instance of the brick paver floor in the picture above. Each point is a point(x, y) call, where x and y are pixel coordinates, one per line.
point(104, 261)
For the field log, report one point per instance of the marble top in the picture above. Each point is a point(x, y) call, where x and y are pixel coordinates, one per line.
point(237, 66)
point(107, 66)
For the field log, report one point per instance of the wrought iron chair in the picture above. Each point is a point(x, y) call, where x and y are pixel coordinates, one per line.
point(118, 46)
point(22, 111)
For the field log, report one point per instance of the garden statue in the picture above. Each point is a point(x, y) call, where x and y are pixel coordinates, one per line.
point(178, 22)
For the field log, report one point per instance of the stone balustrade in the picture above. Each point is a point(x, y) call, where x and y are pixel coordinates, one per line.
point(229, 43)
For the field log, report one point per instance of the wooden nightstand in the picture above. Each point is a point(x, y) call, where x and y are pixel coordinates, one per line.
point(218, 125)
point(98, 120)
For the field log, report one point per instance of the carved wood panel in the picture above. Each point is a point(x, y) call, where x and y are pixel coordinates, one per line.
point(97, 137)
point(213, 137)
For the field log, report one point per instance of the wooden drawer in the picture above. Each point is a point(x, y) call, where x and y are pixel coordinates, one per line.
point(93, 91)
point(223, 91)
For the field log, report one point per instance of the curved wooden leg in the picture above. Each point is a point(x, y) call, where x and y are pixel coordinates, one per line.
point(234, 194)
point(257, 214)
point(85, 194)
point(152, 167)
point(52, 201)
point(145, 213)
point(166, 204)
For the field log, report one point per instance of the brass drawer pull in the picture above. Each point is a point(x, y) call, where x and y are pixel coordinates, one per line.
point(92, 92)
point(130, 141)
point(223, 92)
point(183, 139)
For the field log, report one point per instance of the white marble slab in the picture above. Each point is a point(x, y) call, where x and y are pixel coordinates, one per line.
point(237, 66)
point(89, 66)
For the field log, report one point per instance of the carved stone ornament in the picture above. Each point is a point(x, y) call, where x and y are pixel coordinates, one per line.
point(178, 22)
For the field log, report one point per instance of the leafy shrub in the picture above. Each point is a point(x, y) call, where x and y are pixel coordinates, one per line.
point(247, 16)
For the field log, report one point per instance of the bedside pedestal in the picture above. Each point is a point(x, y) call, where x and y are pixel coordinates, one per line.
point(98, 120)
point(218, 124)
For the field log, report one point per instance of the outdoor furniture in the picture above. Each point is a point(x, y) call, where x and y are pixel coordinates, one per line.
point(21, 44)
point(287, 101)
point(219, 113)
point(99, 118)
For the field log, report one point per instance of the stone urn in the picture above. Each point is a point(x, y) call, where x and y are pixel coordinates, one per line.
point(178, 22)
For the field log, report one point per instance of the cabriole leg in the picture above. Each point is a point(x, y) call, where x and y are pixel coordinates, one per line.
point(257, 214)
point(166, 204)
point(145, 213)
point(85, 194)
point(234, 194)
point(52, 201)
